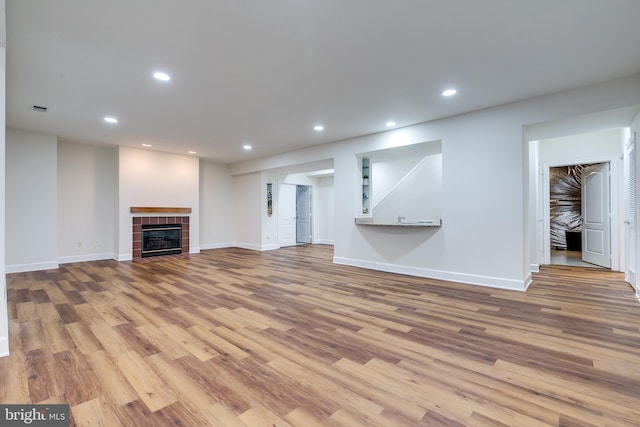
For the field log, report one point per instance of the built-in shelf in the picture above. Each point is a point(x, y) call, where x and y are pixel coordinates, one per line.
point(369, 221)
point(154, 209)
point(366, 189)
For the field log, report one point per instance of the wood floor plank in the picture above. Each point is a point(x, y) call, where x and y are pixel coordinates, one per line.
point(150, 388)
point(261, 417)
point(170, 346)
point(108, 337)
point(245, 344)
point(42, 375)
point(327, 390)
point(27, 311)
point(32, 335)
point(225, 348)
point(190, 342)
point(196, 397)
point(114, 386)
point(83, 338)
point(47, 312)
point(301, 417)
point(95, 412)
point(14, 386)
point(57, 337)
point(232, 337)
point(76, 377)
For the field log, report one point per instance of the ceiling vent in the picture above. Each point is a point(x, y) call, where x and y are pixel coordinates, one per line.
point(40, 108)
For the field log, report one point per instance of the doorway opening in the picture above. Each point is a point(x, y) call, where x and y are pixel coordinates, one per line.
point(566, 219)
point(303, 214)
point(294, 215)
point(579, 210)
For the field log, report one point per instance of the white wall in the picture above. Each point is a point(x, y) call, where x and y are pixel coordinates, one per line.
point(217, 206)
point(152, 178)
point(324, 205)
point(416, 195)
point(249, 216)
point(485, 234)
point(86, 202)
point(535, 218)
point(31, 201)
point(576, 149)
point(4, 315)
point(635, 129)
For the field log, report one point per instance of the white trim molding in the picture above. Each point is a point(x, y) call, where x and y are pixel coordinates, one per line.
point(470, 279)
point(36, 266)
point(124, 257)
point(85, 258)
point(208, 246)
point(323, 242)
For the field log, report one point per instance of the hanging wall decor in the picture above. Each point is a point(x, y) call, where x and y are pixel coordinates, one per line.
point(269, 200)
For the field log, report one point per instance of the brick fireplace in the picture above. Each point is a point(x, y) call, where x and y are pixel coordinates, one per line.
point(152, 216)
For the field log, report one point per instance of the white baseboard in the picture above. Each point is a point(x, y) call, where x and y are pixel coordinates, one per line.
point(217, 246)
point(323, 242)
point(270, 247)
point(471, 279)
point(84, 258)
point(124, 257)
point(194, 250)
point(534, 268)
point(36, 266)
point(4, 346)
point(527, 281)
point(249, 246)
point(254, 247)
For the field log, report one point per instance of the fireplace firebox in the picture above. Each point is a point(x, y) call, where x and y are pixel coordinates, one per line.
point(161, 239)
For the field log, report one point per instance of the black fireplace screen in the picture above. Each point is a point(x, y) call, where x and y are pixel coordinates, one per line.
point(161, 239)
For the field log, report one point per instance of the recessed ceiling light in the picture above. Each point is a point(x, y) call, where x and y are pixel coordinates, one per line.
point(111, 120)
point(449, 92)
point(318, 128)
point(146, 145)
point(162, 76)
point(247, 147)
point(390, 124)
point(193, 152)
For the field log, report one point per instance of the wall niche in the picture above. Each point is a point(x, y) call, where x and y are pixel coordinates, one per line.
point(401, 185)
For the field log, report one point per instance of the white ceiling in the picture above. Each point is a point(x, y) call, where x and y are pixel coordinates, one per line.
point(265, 72)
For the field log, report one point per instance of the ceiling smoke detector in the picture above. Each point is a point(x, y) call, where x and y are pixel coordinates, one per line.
point(40, 108)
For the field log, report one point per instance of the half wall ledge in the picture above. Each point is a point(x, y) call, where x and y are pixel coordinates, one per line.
point(153, 209)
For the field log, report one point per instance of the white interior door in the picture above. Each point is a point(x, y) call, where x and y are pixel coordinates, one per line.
point(287, 215)
point(630, 211)
point(303, 210)
point(596, 232)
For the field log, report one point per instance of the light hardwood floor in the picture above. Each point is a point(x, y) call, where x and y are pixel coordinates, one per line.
point(235, 337)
